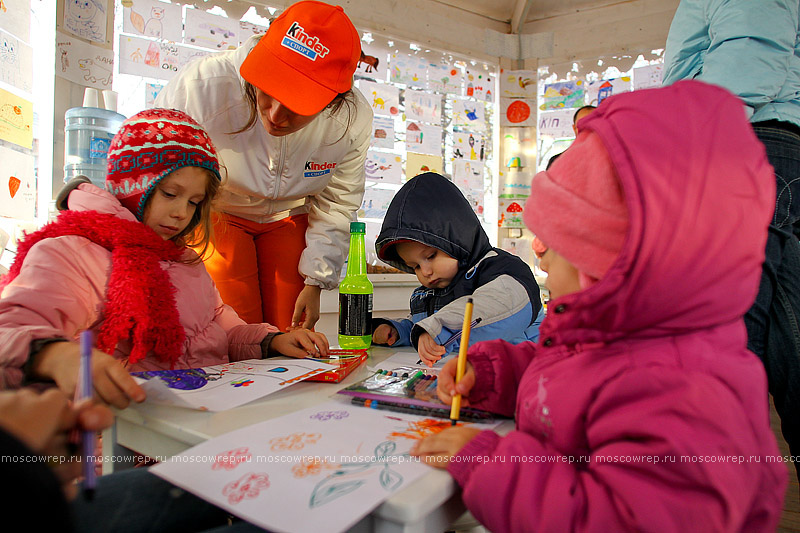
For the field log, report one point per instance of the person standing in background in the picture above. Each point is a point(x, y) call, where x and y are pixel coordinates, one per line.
point(295, 180)
point(752, 49)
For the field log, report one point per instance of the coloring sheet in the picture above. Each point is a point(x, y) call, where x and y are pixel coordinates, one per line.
point(424, 138)
point(16, 62)
point(597, 91)
point(409, 70)
point(18, 189)
point(476, 199)
point(374, 61)
point(151, 18)
point(16, 119)
point(86, 19)
point(419, 163)
point(404, 358)
point(648, 76)
point(518, 83)
point(223, 387)
point(248, 29)
point(519, 247)
point(517, 112)
point(564, 94)
point(444, 78)
point(83, 63)
point(424, 106)
point(468, 175)
point(469, 114)
point(151, 92)
point(511, 212)
point(384, 167)
point(211, 31)
point(470, 146)
point(384, 98)
point(515, 184)
point(154, 59)
point(375, 203)
point(382, 132)
point(556, 123)
point(479, 84)
point(319, 469)
point(15, 18)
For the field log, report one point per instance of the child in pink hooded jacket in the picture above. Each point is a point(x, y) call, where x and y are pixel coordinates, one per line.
point(117, 261)
point(641, 408)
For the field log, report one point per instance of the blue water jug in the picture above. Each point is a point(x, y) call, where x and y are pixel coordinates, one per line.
point(88, 133)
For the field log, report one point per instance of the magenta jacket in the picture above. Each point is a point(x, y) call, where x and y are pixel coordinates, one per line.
point(641, 409)
point(61, 290)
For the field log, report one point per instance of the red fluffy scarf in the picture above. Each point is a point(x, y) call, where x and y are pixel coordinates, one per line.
point(140, 298)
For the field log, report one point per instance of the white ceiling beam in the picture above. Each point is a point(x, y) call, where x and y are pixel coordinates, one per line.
point(521, 9)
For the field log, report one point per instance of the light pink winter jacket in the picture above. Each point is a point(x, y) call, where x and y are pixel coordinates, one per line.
point(61, 290)
point(641, 409)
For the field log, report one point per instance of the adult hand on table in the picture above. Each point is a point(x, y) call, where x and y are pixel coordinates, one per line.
point(60, 362)
point(43, 422)
point(306, 308)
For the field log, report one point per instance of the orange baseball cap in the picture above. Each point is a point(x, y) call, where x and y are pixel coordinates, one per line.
point(306, 58)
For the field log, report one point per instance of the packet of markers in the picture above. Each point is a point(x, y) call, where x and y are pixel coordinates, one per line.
point(408, 390)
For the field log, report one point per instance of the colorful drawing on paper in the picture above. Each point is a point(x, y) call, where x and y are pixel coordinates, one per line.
point(210, 31)
point(384, 98)
point(375, 202)
point(515, 184)
point(384, 167)
point(222, 387)
point(445, 78)
point(597, 91)
point(563, 94)
point(382, 132)
point(151, 91)
point(420, 163)
point(86, 18)
point(248, 29)
point(556, 123)
point(155, 59)
point(373, 61)
point(648, 76)
point(17, 184)
point(471, 146)
point(409, 70)
point(151, 18)
point(16, 62)
point(423, 138)
point(353, 463)
point(468, 175)
point(16, 119)
point(479, 84)
point(82, 63)
point(517, 112)
point(511, 212)
point(15, 18)
point(423, 106)
point(518, 83)
point(469, 114)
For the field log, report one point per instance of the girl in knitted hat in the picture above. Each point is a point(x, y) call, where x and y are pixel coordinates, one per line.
point(641, 408)
point(117, 261)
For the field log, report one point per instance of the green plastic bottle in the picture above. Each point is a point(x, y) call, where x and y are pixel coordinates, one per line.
point(355, 295)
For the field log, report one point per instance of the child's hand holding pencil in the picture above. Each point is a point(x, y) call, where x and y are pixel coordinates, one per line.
point(447, 386)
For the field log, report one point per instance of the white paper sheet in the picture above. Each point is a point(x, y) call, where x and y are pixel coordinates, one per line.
point(471, 146)
point(409, 70)
point(374, 62)
point(151, 18)
point(18, 187)
point(384, 167)
point(154, 59)
point(424, 138)
point(375, 202)
point(384, 98)
point(469, 114)
point(517, 112)
point(648, 76)
point(518, 83)
point(320, 469)
point(83, 63)
point(15, 18)
point(382, 132)
point(444, 78)
point(86, 19)
point(16, 62)
point(211, 31)
point(222, 387)
point(423, 106)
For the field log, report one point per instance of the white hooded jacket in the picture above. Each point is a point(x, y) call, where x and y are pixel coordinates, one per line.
point(317, 170)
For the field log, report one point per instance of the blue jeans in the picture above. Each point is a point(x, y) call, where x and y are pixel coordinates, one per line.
point(773, 322)
point(136, 501)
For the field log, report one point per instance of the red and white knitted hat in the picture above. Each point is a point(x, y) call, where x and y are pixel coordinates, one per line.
point(148, 146)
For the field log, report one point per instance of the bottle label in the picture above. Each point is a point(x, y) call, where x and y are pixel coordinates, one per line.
point(355, 314)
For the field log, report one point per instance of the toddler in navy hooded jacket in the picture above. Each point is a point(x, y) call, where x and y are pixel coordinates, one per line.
point(431, 230)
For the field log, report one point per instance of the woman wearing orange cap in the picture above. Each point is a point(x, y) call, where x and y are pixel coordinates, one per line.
point(294, 180)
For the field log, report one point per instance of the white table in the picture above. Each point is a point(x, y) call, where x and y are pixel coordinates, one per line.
point(432, 503)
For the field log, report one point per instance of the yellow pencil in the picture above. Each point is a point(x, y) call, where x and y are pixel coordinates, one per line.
point(455, 407)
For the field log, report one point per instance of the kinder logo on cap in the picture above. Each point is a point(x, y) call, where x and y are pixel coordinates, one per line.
point(297, 40)
point(314, 170)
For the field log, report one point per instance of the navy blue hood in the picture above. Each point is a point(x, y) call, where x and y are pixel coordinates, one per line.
point(430, 209)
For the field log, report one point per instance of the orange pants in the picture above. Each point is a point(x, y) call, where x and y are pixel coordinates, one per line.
point(255, 266)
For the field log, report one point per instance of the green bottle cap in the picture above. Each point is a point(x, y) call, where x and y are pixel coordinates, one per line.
point(358, 227)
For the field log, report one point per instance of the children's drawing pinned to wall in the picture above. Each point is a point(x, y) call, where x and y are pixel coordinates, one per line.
point(151, 91)
point(518, 83)
point(517, 112)
point(469, 114)
point(417, 164)
point(210, 31)
point(384, 167)
point(409, 70)
point(470, 146)
point(375, 202)
point(16, 120)
point(86, 18)
point(382, 132)
point(423, 106)
point(597, 91)
point(152, 18)
point(423, 138)
point(15, 18)
point(18, 185)
point(373, 62)
point(16, 62)
point(479, 84)
point(445, 78)
point(511, 212)
point(384, 98)
point(84, 64)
